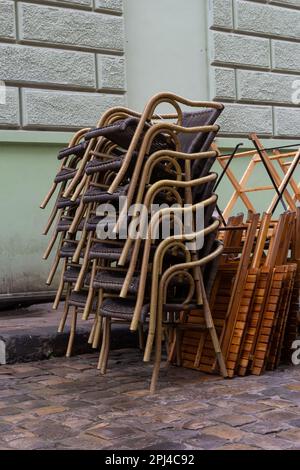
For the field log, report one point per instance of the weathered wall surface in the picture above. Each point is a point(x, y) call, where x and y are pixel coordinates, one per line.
point(62, 61)
point(254, 49)
point(165, 49)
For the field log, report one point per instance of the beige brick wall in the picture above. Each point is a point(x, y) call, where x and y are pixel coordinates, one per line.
point(254, 52)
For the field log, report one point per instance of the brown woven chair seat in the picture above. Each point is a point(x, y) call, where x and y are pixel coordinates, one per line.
point(122, 132)
point(112, 281)
point(98, 166)
point(122, 309)
point(77, 150)
point(78, 299)
point(71, 274)
point(68, 249)
point(100, 222)
point(65, 174)
point(178, 307)
point(99, 195)
point(63, 202)
point(64, 225)
point(113, 252)
point(107, 251)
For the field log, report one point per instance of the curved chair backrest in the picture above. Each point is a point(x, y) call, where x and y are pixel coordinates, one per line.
point(199, 142)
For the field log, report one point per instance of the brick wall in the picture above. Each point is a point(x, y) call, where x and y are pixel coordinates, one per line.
point(255, 56)
point(62, 62)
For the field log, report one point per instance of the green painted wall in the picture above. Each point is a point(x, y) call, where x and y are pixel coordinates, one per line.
point(26, 172)
point(260, 200)
point(165, 49)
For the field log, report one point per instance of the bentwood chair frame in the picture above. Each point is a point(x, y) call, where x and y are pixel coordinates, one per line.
point(148, 139)
point(155, 189)
point(145, 261)
point(154, 131)
point(196, 284)
point(154, 159)
point(147, 114)
point(201, 299)
point(73, 142)
point(149, 198)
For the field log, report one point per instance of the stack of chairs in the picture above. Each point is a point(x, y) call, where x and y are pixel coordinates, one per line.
point(108, 176)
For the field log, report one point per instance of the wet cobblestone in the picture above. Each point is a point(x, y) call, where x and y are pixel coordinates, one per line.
point(66, 404)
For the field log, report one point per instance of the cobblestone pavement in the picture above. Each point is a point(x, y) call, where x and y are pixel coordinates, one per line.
point(35, 316)
point(66, 404)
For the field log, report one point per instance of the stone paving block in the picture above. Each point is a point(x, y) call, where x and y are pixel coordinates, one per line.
point(268, 442)
point(17, 434)
point(277, 403)
point(24, 368)
point(266, 427)
point(4, 447)
point(82, 442)
point(167, 445)
point(190, 406)
point(30, 443)
point(237, 447)
point(67, 27)
point(280, 416)
point(110, 432)
point(5, 427)
point(9, 392)
point(245, 396)
point(284, 393)
point(54, 381)
point(178, 435)
point(197, 424)
point(252, 408)
point(49, 410)
point(291, 435)
point(295, 423)
point(9, 410)
point(49, 430)
point(293, 387)
point(17, 418)
point(80, 367)
point(207, 442)
point(237, 420)
point(225, 432)
point(17, 400)
point(77, 423)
